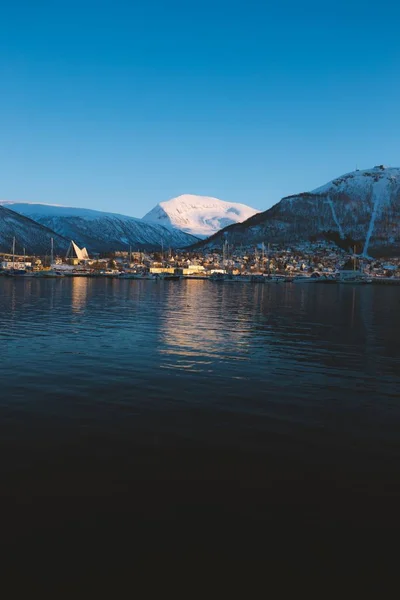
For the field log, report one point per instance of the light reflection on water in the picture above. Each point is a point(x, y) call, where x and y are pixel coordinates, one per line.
point(131, 410)
point(318, 354)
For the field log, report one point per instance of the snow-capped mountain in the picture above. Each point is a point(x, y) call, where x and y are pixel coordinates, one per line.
point(198, 215)
point(35, 238)
point(360, 207)
point(101, 231)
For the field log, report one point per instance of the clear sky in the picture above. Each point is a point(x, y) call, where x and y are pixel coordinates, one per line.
point(118, 105)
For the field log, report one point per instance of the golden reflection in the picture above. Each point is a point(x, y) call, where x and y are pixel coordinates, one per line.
point(79, 293)
point(201, 321)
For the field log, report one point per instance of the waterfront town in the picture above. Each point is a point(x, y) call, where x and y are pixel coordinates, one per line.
point(316, 262)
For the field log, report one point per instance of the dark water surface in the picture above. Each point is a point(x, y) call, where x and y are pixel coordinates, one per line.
point(176, 410)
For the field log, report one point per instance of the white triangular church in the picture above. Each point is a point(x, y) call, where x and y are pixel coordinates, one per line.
point(75, 252)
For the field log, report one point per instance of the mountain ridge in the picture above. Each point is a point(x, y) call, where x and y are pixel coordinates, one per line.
point(29, 234)
point(100, 231)
point(363, 206)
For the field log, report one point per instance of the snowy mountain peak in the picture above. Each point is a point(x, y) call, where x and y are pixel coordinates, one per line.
point(361, 181)
point(361, 208)
point(201, 216)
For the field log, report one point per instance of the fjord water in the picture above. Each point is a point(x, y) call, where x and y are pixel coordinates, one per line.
point(192, 405)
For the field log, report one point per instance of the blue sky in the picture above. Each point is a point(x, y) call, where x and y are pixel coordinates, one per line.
point(120, 105)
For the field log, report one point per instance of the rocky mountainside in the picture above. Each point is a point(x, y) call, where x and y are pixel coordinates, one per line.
point(100, 231)
point(35, 238)
point(198, 215)
point(361, 207)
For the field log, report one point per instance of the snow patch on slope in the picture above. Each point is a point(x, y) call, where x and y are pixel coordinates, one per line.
point(334, 216)
point(379, 196)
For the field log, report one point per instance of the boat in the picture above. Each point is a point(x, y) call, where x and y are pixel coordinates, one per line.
point(315, 278)
point(87, 273)
point(49, 274)
point(218, 277)
point(327, 280)
point(52, 272)
point(237, 279)
point(356, 280)
point(168, 277)
point(130, 276)
point(15, 272)
point(229, 278)
point(275, 279)
point(305, 279)
point(138, 276)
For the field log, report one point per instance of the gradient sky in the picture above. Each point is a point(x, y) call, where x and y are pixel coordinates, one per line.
point(120, 105)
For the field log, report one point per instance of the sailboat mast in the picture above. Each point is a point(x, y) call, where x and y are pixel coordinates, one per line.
point(52, 252)
point(225, 254)
point(13, 252)
point(263, 256)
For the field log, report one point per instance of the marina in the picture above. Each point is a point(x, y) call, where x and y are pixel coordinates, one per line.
point(219, 278)
point(317, 264)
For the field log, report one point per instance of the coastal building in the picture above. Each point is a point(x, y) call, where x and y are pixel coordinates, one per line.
point(192, 270)
point(156, 270)
point(9, 264)
point(74, 253)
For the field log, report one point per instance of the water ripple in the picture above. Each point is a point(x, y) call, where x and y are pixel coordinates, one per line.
point(280, 350)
